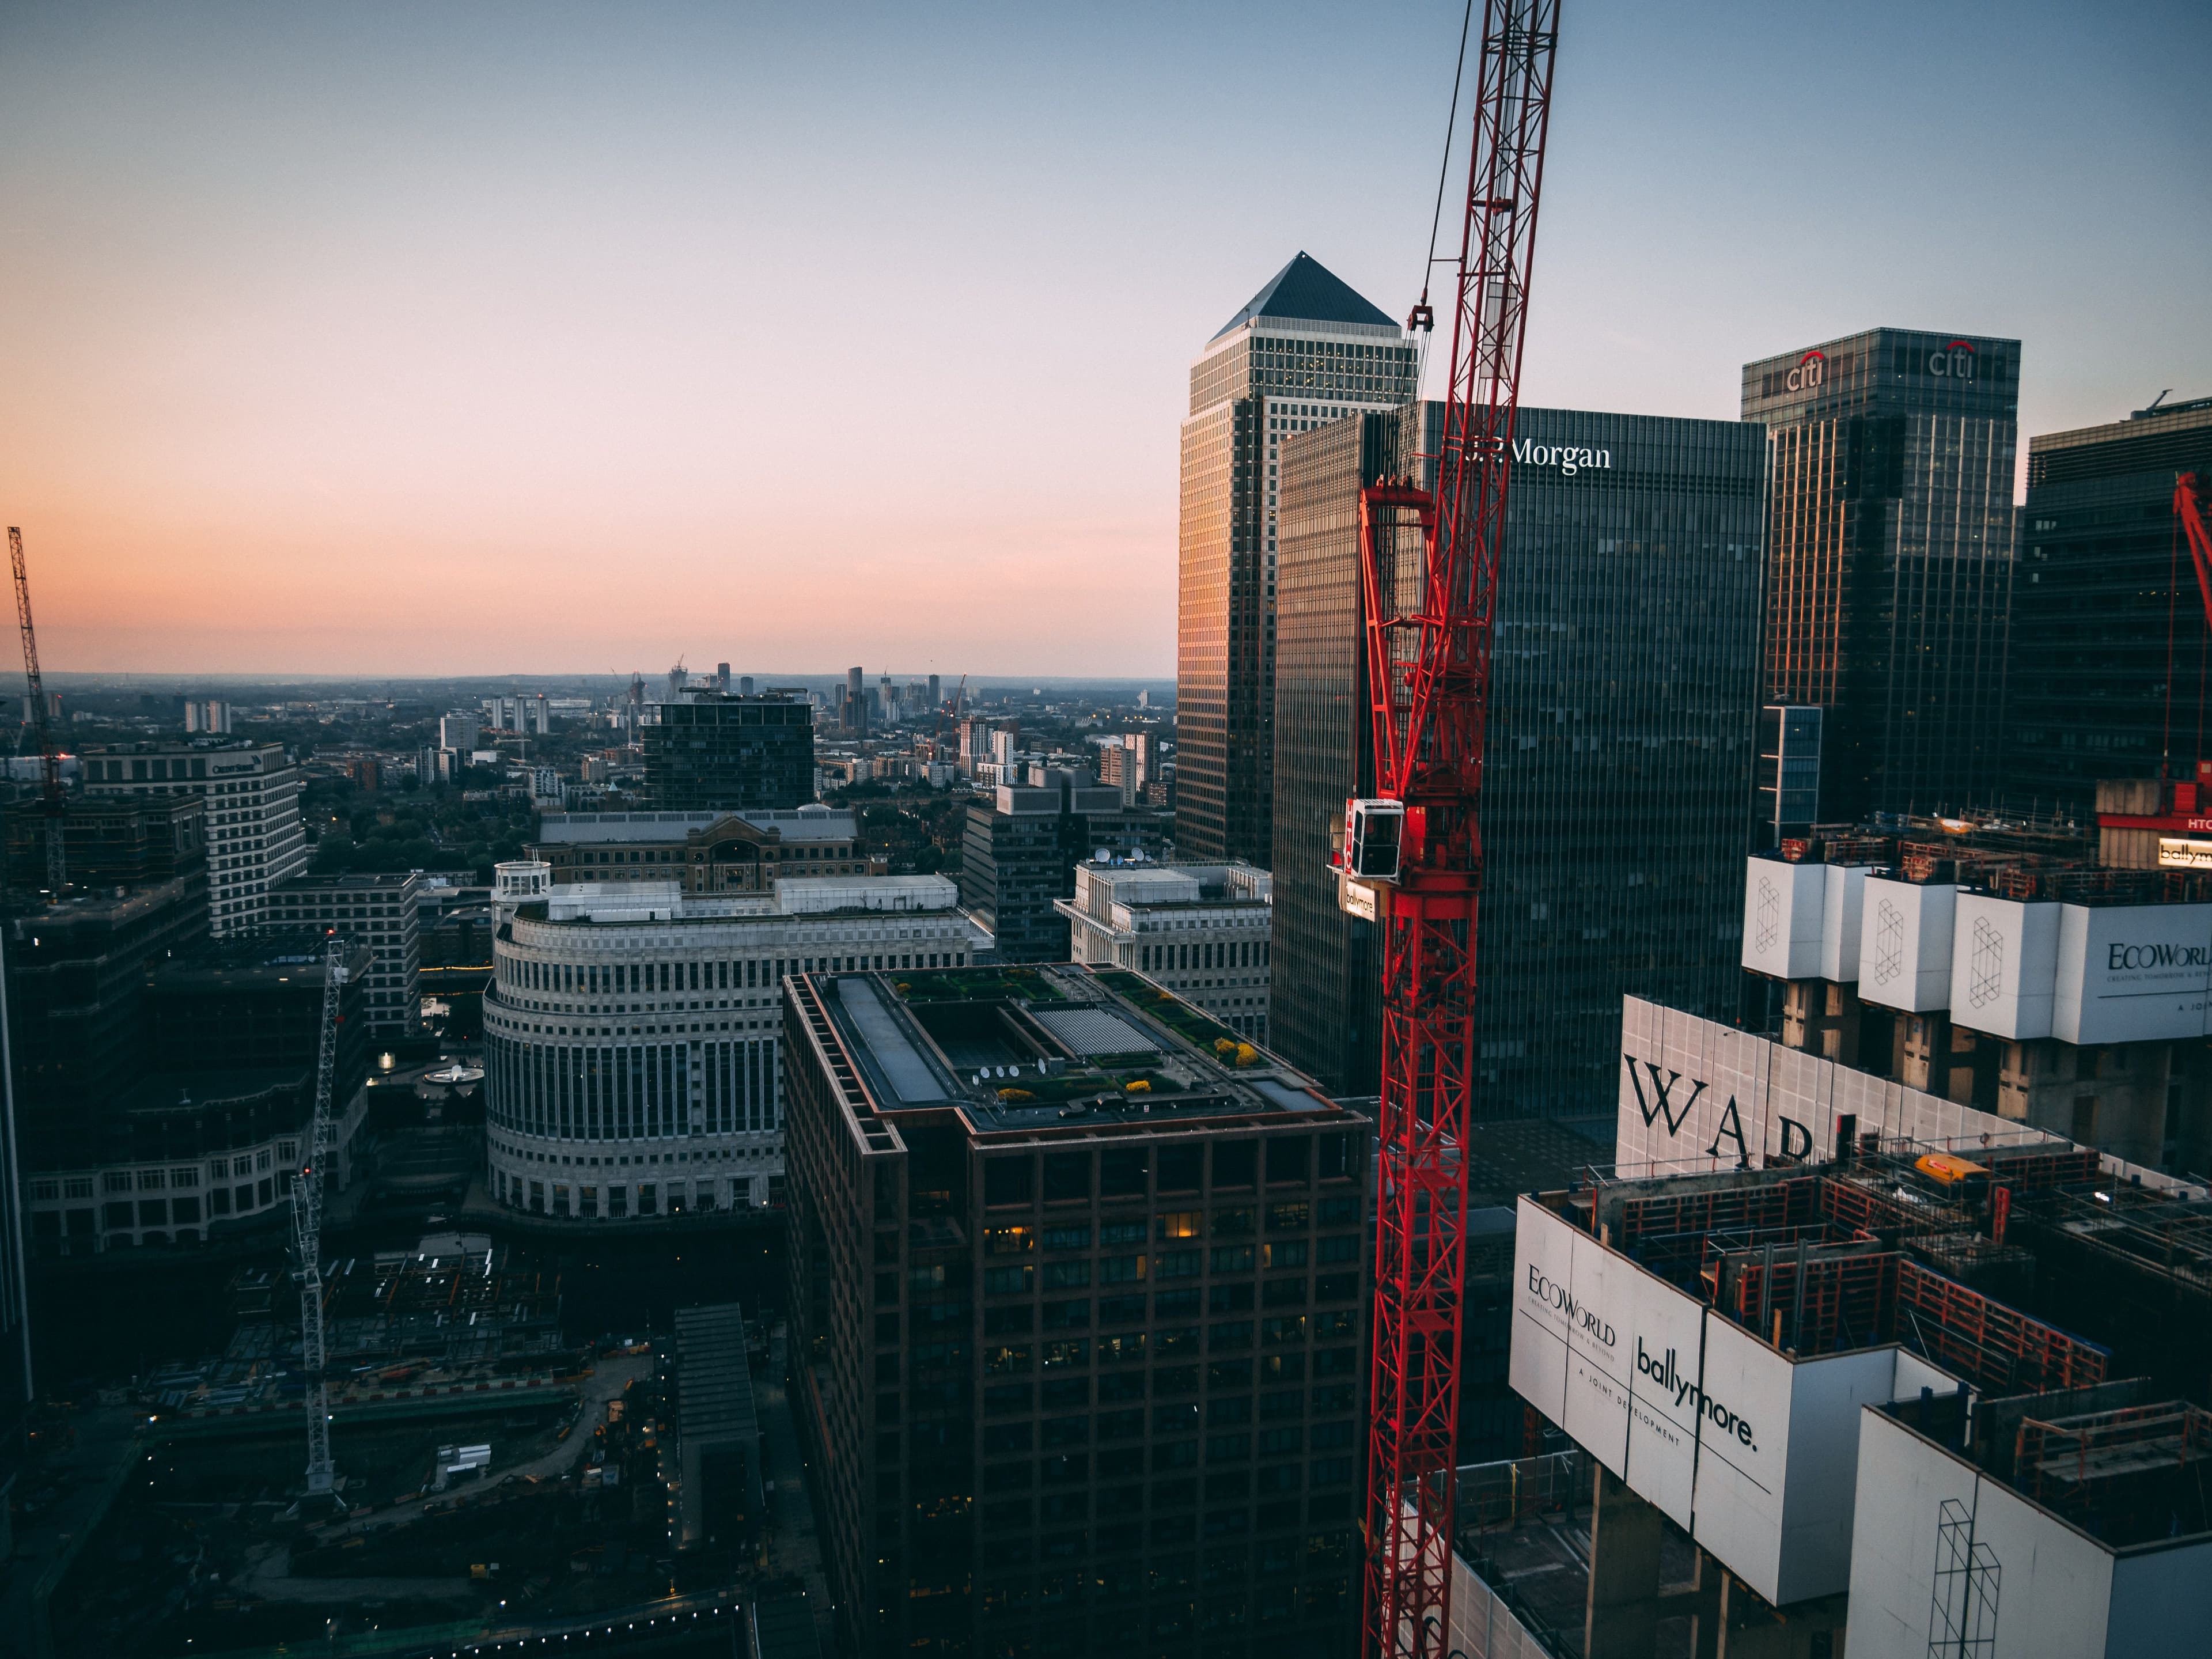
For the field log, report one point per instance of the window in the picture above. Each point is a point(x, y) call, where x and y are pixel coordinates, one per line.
point(1011, 1281)
point(1123, 1269)
point(1230, 1258)
point(1121, 1232)
point(1009, 1241)
point(1284, 1253)
point(1066, 1275)
point(1067, 1239)
point(149, 1180)
point(1180, 1264)
point(1340, 1247)
point(1178, 1224)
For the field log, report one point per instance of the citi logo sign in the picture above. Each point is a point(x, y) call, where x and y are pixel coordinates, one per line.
point(1554, 1295)
point(1955, 361)
point(2121, 957)
point(1812, 369)
point(1667, 1373)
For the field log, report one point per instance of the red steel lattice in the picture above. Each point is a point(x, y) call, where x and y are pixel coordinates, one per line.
point(1428, 640)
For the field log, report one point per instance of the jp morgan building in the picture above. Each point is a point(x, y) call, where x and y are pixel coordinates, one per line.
point(1618, 766)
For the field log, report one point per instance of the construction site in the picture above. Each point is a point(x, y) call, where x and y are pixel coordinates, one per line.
point(1843, 1396)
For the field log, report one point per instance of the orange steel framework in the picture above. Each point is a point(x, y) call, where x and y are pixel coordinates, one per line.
point(1428, 642)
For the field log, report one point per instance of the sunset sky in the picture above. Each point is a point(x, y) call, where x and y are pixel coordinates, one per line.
point(475, 339)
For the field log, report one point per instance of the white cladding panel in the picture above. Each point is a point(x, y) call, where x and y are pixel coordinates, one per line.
point(1690, 1086)
point(1782, 913)
point(2162, 1602)
point(2054, 1585)
point(1842, 901)
point(1753, 1454)
point(2004, 963)
point(1896, 1518)
point(1904, 944)
point(1743, 1448)
point(1826, 1395)
point(2132, 973)
point(1662, 1413)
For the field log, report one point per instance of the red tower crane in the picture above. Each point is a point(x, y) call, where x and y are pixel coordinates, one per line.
point(1415, 851)
point(50, 758)
point(2187, 509)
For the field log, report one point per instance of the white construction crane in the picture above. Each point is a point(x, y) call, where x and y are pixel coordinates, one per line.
point(307, 1237)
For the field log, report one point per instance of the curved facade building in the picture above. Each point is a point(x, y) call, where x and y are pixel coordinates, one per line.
point(632, 1031)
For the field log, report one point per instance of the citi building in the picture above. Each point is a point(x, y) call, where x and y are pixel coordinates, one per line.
point(1890, 553)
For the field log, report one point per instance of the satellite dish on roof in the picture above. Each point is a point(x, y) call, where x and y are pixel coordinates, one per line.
point(1103, 855)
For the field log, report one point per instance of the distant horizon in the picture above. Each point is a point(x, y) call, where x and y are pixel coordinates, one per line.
point(354, 336)
point(761, 677)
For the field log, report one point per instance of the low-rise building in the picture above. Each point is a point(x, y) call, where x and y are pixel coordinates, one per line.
point(633, 1043)
point(704, 852)
point(209, 1114)
point(1202, 930)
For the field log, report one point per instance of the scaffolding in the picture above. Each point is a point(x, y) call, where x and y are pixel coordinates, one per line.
point(2000, 1348)
point(2123, 1475)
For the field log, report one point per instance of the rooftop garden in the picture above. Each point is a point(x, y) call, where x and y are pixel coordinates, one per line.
point(977, 985)
point(1201, 1030)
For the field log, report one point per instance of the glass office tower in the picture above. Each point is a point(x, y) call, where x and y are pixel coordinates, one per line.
point(1617, 784)
point(1889, 550)
point(2105, 585)
point(1306, 350)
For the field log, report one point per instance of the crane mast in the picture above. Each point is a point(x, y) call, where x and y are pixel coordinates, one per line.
point(1430, 604)
point(2190, 512)
point(50, 759)
point(307, 1235)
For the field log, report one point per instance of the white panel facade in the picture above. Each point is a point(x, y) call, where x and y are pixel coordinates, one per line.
point(1904, 944)
point(2132, 973)
point(1783, 907)
point(2004, 963)
point(1841, 906)
point(1751, 1453)
point(1697, 1095)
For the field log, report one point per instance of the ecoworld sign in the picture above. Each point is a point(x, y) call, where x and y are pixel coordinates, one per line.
point(1752, 1453)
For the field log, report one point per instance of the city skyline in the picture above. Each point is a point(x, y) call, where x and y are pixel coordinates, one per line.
point(518, 312)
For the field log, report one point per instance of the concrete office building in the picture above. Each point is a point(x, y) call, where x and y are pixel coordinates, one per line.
point(113, 842)
point(254, 836)
point(382, 912)
point(1617, 782)
point(204, 1103)
point(709, 752)
point(2092, 693)
point(1889, 555)
point(1306, 350)
point(633, 1045)
point(1019, 850)
point(1201, 930)
point(1078, 1306)
point(460, 733)
point(705, 852)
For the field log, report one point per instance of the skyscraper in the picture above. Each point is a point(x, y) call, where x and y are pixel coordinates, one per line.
point(856, 701)
point(2101, 590)
point(710, 753)
point(1617, 772)
point(1889, 552)
point(254, 836)
point(1306, 350)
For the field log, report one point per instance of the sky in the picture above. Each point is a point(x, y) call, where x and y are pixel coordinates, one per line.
point(479, 338)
